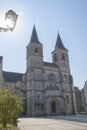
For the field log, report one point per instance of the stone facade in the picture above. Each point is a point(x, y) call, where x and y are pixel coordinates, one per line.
point(47, 87)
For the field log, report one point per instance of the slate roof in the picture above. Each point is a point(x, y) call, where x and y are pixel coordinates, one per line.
point(34, 36)
point(59, 43)
point(50, 64)
point(12, 76)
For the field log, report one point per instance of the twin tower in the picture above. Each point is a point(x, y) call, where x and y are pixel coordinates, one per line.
point(49, 86)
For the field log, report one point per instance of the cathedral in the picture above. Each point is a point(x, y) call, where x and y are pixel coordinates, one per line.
point(46, 87)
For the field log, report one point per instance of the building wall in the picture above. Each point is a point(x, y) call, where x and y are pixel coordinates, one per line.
point(49, 90)
point(85, 95)
point(78, 98)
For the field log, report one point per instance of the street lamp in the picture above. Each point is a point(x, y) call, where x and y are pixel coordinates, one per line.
point(9, 21)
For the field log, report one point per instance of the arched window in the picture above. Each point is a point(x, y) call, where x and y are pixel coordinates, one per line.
point(58, 88)
point(55, 57)
point(67, 98)
point(36, 50)
point(63, 57)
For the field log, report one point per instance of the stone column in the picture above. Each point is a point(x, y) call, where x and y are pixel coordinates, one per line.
point(47, 107)
point(33, 106)
point(28, 111)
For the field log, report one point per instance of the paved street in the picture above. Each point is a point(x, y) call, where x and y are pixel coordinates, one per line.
point(78, 122)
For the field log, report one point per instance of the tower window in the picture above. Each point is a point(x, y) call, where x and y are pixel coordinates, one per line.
point(67, 99)
point(55, 57)
point(36, 50)
point(63, 57)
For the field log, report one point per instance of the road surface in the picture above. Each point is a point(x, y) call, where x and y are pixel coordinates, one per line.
point(75, 122)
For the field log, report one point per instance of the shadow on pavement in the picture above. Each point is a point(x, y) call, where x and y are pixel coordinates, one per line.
point(75, 118)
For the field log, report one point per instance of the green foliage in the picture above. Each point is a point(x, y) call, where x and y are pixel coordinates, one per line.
point(1, 126)
point(9, 127)
point(10, 107)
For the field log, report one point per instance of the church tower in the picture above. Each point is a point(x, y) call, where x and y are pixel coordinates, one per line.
point(60, 58)
point(34, 74)
point(34, 51)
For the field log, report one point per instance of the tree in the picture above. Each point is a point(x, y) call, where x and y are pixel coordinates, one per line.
point(10, 107)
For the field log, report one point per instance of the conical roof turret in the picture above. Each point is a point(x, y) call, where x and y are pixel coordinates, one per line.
point(59, 43)
point(34, 36)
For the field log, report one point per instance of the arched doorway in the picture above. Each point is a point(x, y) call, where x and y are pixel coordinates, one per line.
point(53, 107)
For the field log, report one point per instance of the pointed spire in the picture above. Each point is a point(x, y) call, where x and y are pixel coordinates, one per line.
point(59, 43)
point(34, 36)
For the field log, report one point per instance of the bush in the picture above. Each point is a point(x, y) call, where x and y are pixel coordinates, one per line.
point(9, 127)
point(10, 108)
point(1, 126)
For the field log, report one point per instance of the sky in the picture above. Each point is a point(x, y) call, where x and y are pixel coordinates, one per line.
point(68, 17)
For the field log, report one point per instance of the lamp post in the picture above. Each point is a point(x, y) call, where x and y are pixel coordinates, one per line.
point(9, 21)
